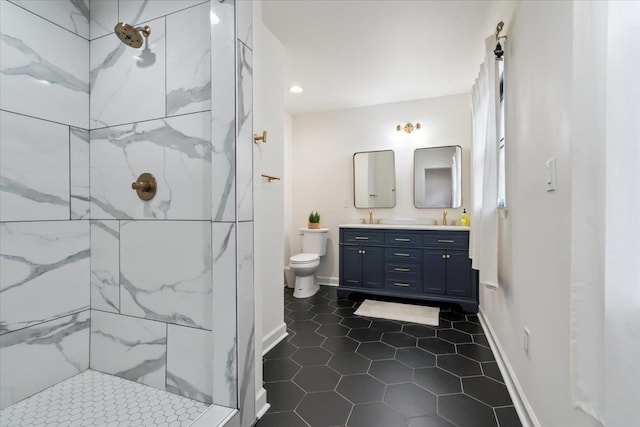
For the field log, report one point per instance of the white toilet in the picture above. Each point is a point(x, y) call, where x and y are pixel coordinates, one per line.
point(305, 264)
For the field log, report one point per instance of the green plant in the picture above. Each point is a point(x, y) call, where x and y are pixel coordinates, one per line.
point(314, 218)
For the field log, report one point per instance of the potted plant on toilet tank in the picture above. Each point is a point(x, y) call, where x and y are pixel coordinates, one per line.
point(314, 220)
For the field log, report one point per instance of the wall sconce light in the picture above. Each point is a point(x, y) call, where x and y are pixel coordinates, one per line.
point(408, 128)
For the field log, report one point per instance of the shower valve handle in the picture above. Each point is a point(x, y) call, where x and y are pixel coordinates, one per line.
point(146, 186)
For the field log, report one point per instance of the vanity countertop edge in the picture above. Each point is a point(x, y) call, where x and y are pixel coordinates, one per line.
point(408, 227)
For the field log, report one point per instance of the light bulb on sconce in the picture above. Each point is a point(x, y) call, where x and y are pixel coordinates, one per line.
point(408, 128)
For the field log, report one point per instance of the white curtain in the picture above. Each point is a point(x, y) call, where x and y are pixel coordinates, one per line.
point(483, 248)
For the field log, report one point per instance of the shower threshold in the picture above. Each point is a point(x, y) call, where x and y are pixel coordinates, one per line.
point(92, 398)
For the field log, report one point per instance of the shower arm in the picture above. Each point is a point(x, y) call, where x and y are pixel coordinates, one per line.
point(146, 30)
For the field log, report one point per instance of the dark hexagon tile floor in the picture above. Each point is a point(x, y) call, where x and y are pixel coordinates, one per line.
point(339, 369)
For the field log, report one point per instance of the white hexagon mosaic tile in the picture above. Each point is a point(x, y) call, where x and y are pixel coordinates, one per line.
point(96, 399)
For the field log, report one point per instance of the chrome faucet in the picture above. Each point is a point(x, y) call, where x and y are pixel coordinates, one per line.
point(370, 216)
point(444, 217)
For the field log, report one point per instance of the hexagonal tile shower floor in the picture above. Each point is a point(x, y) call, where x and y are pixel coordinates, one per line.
point(96, 399)
point(338, 369)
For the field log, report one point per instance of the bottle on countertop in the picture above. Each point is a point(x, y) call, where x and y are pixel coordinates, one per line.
point(464, 218)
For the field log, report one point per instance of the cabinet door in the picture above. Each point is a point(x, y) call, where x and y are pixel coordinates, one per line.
point(372, 267)
point(434, 271)
point(351, 266)
point(458, 274)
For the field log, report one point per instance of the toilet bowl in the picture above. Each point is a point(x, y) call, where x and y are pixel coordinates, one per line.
point(289, 277)
point(305, 264)
point(304, 267)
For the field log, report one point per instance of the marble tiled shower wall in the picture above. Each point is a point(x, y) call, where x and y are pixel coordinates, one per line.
point(90, 276)
point(151, 262)
point(44, 195)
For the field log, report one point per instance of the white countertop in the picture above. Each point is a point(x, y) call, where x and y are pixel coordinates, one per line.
point(408, 227)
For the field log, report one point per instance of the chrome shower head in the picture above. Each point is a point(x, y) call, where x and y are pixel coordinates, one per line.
point(130, 35)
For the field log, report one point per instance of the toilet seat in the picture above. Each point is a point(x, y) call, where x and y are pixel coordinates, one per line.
point(304, 259)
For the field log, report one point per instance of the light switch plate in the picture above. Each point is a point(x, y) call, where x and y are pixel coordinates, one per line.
point(550, 167)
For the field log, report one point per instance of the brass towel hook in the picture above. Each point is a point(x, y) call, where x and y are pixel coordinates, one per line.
point(260, 138)
point(146, 186)
point(270, 177)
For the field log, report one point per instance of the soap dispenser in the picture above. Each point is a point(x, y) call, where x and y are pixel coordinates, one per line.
point(464, 218)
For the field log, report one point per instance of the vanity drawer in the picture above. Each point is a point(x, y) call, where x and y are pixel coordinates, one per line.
point(401, 285)
point(443, 239)
point(402, 272)
point(402, 255)
point(363, 237)
point(403, 239)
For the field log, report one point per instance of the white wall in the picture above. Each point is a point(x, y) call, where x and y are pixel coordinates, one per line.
point(323, 147)
point(269, 196)
point(622, 331)
point(269, 159)
point(535, 238)
point(288, 185)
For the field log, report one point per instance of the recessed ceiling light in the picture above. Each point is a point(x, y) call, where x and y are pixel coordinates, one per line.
point(295, 89)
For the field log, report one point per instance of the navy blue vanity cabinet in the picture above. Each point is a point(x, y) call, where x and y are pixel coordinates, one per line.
point(361, 259)
point(351, 266)
point(372, 267)
point(459, 274)
point(434, 266)
point(447, 272)
point(420, 264)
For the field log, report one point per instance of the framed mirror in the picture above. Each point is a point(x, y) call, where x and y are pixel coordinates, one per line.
point(374, 179)
point(437, 177)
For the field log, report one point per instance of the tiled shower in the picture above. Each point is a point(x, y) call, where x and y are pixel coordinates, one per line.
point(91, 277)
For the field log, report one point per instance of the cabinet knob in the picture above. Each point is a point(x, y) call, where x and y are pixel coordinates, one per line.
point(444, 257)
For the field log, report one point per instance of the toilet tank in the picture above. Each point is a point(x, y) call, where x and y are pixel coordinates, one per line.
point(314, 241)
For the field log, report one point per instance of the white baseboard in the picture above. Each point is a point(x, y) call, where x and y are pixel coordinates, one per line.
point(327, 280)
point(261, 403)
point(523, 408)
point(274, 337)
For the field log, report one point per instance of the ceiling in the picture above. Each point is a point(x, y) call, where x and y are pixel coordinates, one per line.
point(353, 53)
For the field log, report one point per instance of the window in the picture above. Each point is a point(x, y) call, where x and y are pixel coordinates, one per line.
point(502, 180)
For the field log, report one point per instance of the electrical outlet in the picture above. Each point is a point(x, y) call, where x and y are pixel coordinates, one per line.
point(347, 202)
point(527, 341)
